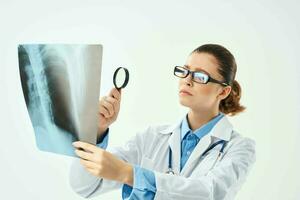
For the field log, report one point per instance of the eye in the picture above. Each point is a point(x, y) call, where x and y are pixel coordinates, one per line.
point(200, 77)
point(180, 71)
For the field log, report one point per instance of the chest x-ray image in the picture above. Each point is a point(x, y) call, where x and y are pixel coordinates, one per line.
point(61, 86)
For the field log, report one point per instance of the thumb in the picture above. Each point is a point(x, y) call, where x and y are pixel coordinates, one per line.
point(115, 93)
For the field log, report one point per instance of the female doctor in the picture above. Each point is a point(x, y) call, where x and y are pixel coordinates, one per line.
point(199, 157)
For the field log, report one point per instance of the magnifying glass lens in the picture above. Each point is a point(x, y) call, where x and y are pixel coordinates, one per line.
point(121, 77)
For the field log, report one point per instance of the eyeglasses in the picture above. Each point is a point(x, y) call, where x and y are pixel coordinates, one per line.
point(197, 76)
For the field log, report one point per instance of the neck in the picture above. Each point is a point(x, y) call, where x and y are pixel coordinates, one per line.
point(197, 119)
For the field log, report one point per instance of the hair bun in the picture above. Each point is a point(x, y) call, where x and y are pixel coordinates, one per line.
point(231, 104)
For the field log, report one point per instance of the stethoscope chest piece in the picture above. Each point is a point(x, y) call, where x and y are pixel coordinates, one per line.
point(170, 171)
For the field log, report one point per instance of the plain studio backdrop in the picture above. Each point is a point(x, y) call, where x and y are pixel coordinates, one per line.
point(150, 38)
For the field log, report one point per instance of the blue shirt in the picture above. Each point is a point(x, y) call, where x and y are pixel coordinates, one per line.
point(190, 139)
point(144, 186)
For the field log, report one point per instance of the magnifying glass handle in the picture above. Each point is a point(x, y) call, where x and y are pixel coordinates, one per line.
point(119, 89)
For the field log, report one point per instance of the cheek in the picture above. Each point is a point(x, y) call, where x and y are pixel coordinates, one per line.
point(180, 82)
point(202, 93)
point(205, 92)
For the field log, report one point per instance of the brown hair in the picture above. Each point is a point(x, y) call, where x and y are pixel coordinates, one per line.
point(227, 69)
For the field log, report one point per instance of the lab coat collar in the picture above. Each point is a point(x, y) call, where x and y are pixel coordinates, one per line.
point(221, 130)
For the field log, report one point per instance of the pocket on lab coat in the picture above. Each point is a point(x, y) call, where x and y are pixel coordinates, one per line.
point(147, 163)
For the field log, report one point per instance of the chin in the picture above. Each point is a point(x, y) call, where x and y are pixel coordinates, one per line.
point(184, 102)
point(193, 105)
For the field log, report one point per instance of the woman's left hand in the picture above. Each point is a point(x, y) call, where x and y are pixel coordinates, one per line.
point(103, 164)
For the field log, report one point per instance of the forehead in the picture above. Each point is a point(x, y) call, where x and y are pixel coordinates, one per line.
point(202, 62)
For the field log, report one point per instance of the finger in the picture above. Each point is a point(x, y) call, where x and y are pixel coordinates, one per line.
point(91, 171)
point(115, 93)
point(83, 155)
point(106, 107)
point(115, 103)
point(85, 146)
point(104, 111)
point(111, 100)
point(88, 164)
point(103, 99)
point(109, 107)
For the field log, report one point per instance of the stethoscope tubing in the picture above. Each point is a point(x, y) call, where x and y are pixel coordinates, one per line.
point(223, 142)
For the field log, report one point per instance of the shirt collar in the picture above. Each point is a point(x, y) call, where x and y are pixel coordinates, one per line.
point(203, 130)
point(222, 130)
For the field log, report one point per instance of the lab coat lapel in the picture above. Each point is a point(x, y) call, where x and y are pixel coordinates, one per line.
point(174, 143)
point(202, 145)
point(222, 130)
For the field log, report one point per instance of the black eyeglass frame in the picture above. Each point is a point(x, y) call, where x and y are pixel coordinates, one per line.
point(210, 79)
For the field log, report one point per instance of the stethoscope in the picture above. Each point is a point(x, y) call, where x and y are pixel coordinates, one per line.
point(222, 142)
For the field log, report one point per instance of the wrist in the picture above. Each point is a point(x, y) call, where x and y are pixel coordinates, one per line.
point(127, 174)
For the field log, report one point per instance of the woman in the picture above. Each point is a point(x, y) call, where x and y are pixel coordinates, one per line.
point(204, 157)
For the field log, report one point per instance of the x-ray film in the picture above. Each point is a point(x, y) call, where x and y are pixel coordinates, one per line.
point(61, 86)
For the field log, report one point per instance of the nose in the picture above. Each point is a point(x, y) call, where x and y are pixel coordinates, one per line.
point(188, 80)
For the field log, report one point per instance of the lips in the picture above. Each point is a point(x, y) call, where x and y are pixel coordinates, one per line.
point(185, 92)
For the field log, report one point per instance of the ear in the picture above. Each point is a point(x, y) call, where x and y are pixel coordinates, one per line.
point(225, 91)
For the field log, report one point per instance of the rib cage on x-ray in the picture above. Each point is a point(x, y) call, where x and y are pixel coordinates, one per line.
point(61, 88)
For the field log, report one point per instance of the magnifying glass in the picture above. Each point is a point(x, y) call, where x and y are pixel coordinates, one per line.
point(121, 78)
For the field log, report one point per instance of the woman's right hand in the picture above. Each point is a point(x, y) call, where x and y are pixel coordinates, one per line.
point(109, 107)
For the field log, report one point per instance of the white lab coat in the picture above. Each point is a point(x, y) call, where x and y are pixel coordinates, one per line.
point(199, 179)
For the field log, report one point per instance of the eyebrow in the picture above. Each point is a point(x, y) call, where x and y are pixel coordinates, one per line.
point(197, 69)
